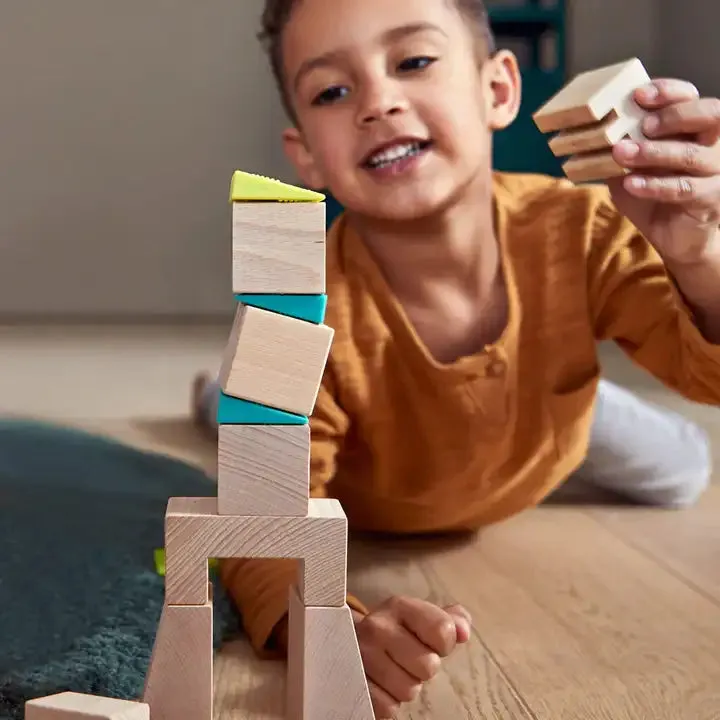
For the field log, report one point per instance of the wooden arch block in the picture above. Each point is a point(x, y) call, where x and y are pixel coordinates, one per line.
point(195, 531)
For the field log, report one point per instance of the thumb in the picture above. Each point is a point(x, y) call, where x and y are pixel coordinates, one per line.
point(463, 621)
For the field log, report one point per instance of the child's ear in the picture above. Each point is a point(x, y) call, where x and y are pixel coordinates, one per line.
point(301, 159)
point(504, 85)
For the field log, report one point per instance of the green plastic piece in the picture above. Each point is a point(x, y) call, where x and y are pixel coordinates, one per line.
point(234, 411)
point(159, 555)
point(303, 307)
point(248, 187)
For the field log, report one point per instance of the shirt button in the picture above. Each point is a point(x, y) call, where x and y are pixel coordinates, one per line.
point(496, 369)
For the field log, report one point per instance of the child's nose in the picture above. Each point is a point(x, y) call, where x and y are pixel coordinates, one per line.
point(381, 102)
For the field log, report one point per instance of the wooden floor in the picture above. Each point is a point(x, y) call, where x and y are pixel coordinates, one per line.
point(583, 609)
point(593, 613)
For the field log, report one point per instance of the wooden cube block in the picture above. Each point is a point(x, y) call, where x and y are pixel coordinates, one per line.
point(195, 531)
point(263, 469)
point(275, 360)
point(179, 681)
point(591, 96)
point(325, 676)
point(278, 247)
point(80, 706)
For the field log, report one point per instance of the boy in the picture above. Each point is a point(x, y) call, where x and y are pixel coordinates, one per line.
point(467, 304)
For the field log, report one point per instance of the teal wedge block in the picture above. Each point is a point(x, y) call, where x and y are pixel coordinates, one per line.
point(303, 307)
point(234, 411)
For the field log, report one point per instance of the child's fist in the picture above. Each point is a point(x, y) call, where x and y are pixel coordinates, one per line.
point(402, 642)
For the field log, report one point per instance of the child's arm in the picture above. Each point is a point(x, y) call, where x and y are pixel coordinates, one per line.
point(699, 283)
point(672, 192)
point(259, 588)
point(636, 302)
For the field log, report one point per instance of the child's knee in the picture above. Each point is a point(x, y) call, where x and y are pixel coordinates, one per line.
point(683, 484)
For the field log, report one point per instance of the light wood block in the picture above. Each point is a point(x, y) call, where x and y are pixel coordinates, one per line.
point(325, 675)
point(589, 167)
point(81, 706)
point(591, 96)
point(599, 136)
point(278, 247)
point(263, 470)
point(179, 682)
point(275, 360)
point(194, 532)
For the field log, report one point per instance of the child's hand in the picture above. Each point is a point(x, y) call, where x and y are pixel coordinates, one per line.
point(402, 642)
point(672, 194)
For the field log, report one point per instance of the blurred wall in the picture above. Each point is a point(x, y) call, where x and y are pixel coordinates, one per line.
point(121, 123)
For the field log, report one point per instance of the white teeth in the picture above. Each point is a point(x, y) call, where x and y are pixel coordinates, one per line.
point(393, 154)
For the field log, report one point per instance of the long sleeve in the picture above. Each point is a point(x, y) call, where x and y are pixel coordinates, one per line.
point(259, 588)
point(635, 303)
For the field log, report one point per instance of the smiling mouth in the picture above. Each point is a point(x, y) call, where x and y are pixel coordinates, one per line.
point(394, 153)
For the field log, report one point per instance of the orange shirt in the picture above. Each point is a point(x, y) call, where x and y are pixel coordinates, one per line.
point(410, 445)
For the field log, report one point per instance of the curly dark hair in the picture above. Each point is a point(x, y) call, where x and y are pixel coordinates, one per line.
point(277, 13)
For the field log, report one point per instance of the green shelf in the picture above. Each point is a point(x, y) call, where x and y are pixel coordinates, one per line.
point(522, 147)
point(501, 17)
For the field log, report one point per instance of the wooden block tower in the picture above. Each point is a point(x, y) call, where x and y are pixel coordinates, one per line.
point(590, 115)
point(270, 376)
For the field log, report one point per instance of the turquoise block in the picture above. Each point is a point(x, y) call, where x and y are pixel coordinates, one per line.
point(234, 411)
point(302, 307)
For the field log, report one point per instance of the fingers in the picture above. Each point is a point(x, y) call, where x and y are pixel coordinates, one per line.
point(416, 658)
point(429, 623)
point(463, 622)
point(402, 643)
point(396, 682)
point(692, 117)
point(384, 707)
point(665, 91)
point(671, 156)
point(680, 189)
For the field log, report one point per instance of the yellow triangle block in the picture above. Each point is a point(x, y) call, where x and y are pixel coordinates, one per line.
point(247, 187)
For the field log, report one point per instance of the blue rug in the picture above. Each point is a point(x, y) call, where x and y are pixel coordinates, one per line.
point(80, 599)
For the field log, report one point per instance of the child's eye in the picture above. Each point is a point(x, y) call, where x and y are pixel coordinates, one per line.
point(330, 95)
point(416, 63)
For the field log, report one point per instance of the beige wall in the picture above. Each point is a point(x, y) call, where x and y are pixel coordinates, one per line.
point(121, 125)
point(606, 31)
point(122, 122)
point(690, 45)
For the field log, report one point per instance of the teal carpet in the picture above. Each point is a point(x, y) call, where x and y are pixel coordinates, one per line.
point(80, 599)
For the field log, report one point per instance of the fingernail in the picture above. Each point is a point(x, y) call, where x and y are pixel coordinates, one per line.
point(651, 124)
point(636, 182)
point(629, 148)
point(465, 625)
point(651, 91)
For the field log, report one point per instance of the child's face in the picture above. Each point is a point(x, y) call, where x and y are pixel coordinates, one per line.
point(403, 76)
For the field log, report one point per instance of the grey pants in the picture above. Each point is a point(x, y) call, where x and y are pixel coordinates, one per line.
point(644, 452)
point(641, 451)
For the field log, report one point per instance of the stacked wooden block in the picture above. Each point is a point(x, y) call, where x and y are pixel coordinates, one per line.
point(270, 376)
point(81, 706)
point(590, 115)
